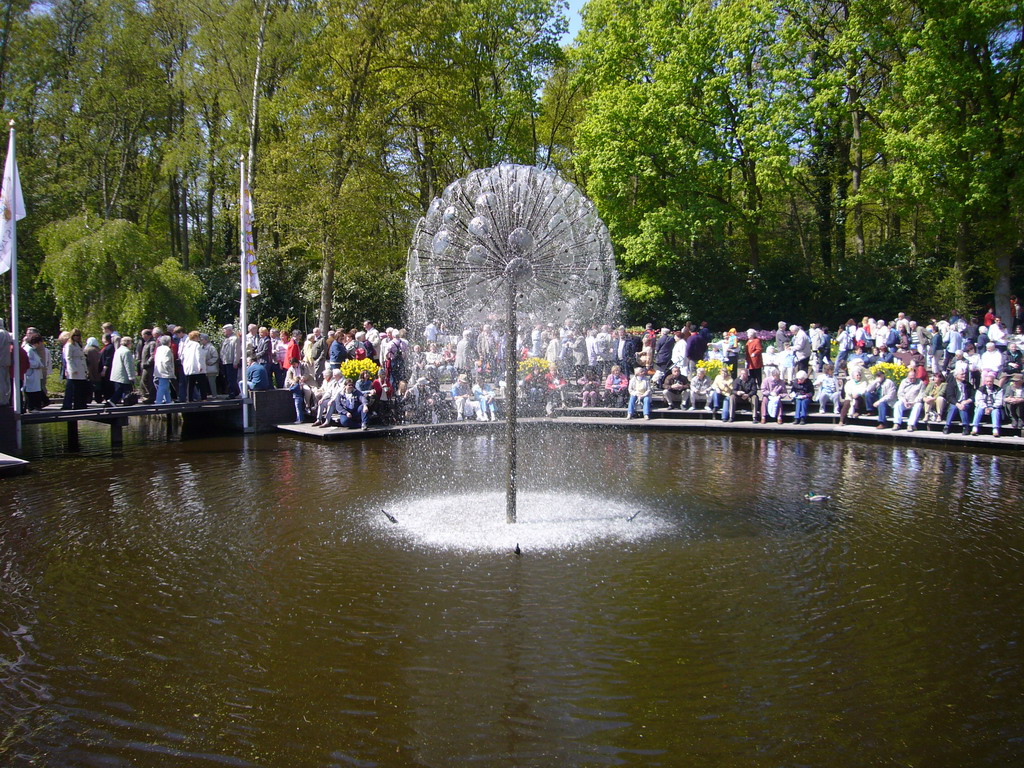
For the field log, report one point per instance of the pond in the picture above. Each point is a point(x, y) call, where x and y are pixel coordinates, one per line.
point(244, 602)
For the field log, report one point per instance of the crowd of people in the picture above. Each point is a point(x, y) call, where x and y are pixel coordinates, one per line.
point(899, 372)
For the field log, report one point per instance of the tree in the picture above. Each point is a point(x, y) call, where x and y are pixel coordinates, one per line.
point(109, 270)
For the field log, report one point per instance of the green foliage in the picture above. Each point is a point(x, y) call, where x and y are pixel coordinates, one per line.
point(110, 271)
point(752, 159)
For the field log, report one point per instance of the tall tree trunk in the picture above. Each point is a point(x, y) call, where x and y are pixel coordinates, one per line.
point(173, 215)
point(960, 255)
point(799, 227)
point(753, 218)
point(211, 178)
point(821, 164)
point(326, 289)
point(857, 168)
point(185, 255)
point(5, 36)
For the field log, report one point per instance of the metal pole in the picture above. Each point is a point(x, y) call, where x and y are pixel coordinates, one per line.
point(511, 400)
point(16, 382)
point(243, 312)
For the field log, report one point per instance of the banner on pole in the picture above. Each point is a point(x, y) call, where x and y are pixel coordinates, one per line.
point(249, 251)
point(12, 207)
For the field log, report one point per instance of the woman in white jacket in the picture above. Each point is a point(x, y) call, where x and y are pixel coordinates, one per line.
point(193, 364)
point(35, 376)
point(76, 394)
point(122, 370)
point(163, 370)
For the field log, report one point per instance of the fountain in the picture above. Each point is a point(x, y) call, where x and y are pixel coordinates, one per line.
point(517, 242)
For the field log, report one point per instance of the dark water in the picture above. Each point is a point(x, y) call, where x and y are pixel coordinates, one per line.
point(220, 602)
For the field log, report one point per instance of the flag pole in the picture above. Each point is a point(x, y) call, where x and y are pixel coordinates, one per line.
point(16, 346)
point(244, 307)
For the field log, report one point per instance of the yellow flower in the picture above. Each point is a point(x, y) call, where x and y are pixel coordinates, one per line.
point(712, 367)
point(525, 366)
point(895, 372)
point(351, 369)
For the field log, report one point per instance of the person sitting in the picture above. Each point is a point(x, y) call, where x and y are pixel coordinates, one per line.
point(616, 388)
point(256, 377)
point(772, 391)
point(466, 406)
point(991, 359)
point(884, 355)
point(909, 397)
point(700, 390)
point(853, 392)
point(324, 395)
point(1014, 362)
point(803, 391)
point(534, 386)
point(881, 394)
point(745, 393)
point(988, 401)
point(933, 401)
point(589, 392)
point(960, 399)
point(721, 393)
point(556, 385)
point(639, 391)
point(485, 398)
point(676, 389)
point(829, 390)
point(350, 405)
point(423, 401)
point(1013, 399)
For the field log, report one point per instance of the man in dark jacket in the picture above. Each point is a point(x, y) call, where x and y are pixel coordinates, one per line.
point(696, 348)
point(959, 399)
point(745, 393)
point(663, 352)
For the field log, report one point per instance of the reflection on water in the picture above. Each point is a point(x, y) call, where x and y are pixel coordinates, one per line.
point(220, 602)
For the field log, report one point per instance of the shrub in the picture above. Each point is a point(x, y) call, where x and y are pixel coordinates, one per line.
point(895, 372)
point(712, 367)
point(525, 366)
point(351, 369)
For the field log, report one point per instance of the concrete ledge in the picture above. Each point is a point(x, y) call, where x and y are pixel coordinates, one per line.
point(270, 408)
point(695, 421)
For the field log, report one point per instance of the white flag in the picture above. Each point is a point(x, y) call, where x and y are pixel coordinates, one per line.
point(252, 275)
point(12, 208)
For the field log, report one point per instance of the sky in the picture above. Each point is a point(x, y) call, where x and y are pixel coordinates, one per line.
point(574, 20)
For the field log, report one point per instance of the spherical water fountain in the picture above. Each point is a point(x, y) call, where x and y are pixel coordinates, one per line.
point(517, 242)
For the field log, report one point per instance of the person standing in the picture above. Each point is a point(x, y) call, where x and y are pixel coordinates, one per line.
point(122, 371)
point(92, 367)
point(755, 356)
point(106, 366)
point(163, 370)
point(193, 363)
point(36, 372)
point(801, 348)
point(77, 395)
point(230, 359)
point(146, 364)
point(212, 359)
